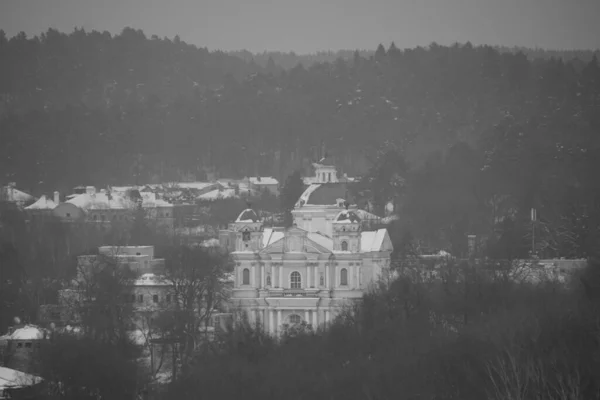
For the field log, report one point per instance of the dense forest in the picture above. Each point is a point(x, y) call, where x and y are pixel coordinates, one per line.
point(275, 59)
point(479, 136)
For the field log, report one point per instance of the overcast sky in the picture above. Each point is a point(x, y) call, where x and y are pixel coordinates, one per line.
point(310, 25)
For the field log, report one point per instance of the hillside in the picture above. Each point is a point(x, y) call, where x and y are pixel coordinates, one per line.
point(479, 135)
point(283, 60)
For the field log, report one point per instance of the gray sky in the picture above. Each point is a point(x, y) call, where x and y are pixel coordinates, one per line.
point(310, 25)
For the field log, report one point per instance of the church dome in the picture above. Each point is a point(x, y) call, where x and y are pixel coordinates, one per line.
point(347, 217)
point(248, 215)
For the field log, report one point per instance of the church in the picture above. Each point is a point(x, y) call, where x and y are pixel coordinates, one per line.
point(310, 271)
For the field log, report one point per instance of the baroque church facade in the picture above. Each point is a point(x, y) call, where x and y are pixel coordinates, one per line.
point(310, 271)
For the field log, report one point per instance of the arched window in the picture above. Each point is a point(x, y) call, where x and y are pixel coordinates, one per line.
point(295, 319)
point(344, 246)
point(246, 276)
point(295, 280)
point(268, 281)
point(344, 277)
point(322, 280)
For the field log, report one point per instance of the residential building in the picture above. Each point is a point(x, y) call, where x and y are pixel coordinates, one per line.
point(106, 207)
point(260, 184)
point(11, 194)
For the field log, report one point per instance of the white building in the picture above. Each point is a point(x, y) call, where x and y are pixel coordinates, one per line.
point(307, 272)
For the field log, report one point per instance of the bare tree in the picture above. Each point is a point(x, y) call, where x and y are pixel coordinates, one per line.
point(198, 279)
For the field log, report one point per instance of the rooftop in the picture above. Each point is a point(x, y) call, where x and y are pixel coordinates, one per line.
point(248, 215)
point(325, 194)
point(43, 203)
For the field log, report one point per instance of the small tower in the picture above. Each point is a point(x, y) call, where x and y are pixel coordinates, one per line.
point(248, 228)
point(346, 232)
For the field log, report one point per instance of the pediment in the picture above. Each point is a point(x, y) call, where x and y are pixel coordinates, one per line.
point(295, 244)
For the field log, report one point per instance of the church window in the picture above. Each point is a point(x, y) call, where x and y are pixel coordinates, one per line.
point(344, 246)
point(246, 236)
point(246, 276)
point(295, 280)
point(344, 277)
point(295, 319)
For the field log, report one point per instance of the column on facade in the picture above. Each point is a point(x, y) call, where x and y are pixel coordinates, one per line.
point(271, 322)
point(308, 277)
point(326, 317)
point(251, 316)
point(327, 275)
point(307, 316)
point(315, 274)
point(314, 318)
point(262, 276)
point(252, 276)
point(281, 276)
point(351, 277)
point(278, 321)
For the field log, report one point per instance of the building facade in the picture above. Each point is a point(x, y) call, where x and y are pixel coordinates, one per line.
point(309, 272)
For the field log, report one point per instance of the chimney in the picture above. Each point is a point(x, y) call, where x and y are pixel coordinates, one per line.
point(56, 197)
point(90, 190)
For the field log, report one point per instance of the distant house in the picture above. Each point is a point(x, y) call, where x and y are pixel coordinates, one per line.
point(107, 207)
point(11, 194)
point(267, 182)
point(43, 207)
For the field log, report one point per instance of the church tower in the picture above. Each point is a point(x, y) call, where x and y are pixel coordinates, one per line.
point(248, 229)
point(346, 232)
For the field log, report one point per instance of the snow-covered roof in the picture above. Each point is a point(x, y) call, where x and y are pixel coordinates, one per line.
point(27, 332)
point(306, 195)
point(101, 201)
point(193, 185)
point(11, 378)
point(115, 200)
point(15, 195)
point(123, 189)
point(321, 239)
point(150, 280)
point(248, 216)
point(263, 180)
point(149, 200)
point(43, 203)
point(372, 240)
point(324, 194)
point(217, 194)
point(346, 217)
point(270, 236)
